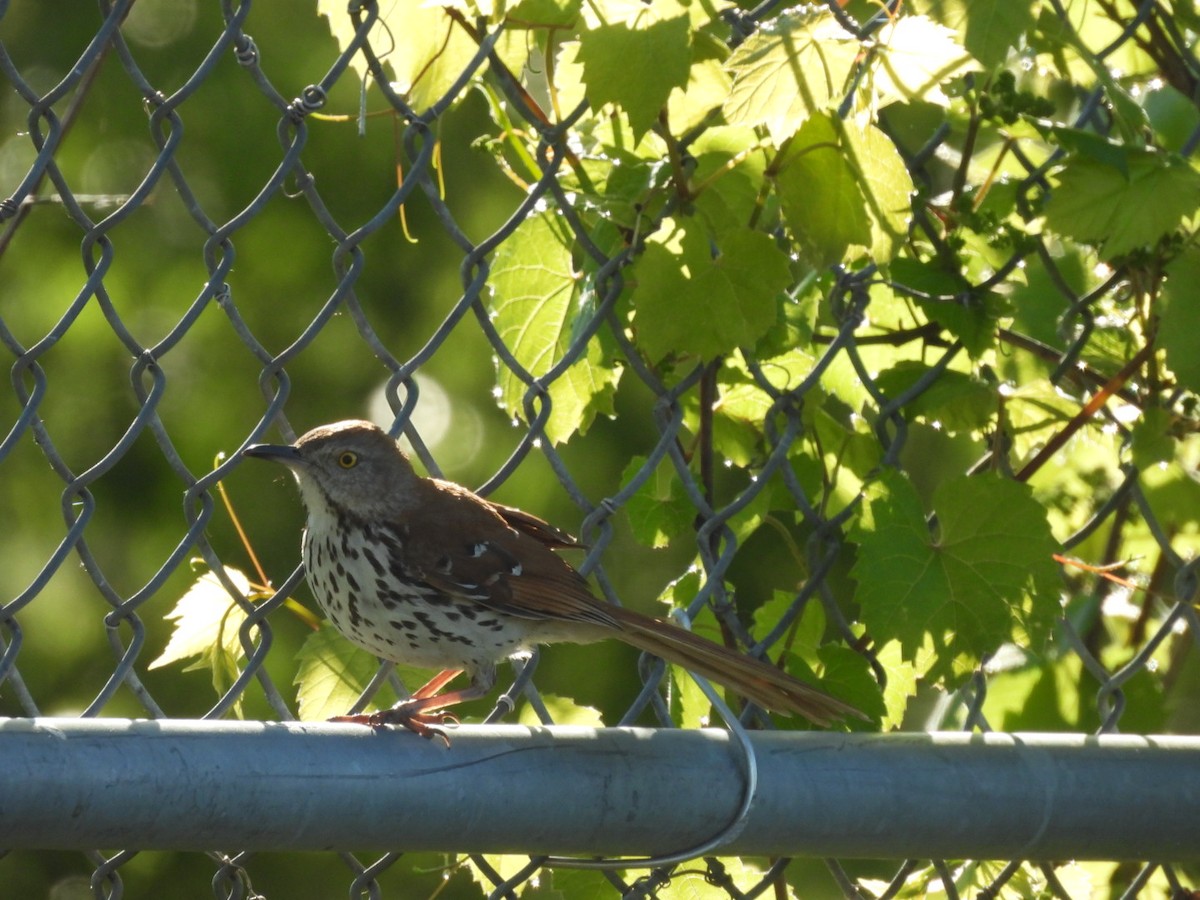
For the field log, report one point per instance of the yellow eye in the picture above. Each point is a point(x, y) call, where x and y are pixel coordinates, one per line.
point(348, 459)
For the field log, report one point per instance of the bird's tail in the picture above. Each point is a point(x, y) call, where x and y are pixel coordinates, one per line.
point(755, 680)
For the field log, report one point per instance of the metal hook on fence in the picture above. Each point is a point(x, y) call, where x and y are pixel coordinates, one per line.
point(727, 833)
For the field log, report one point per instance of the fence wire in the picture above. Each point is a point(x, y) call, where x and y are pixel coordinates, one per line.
point(198, 266)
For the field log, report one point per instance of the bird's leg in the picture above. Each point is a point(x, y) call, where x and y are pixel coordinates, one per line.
point(426, 690)
point(421, 713)
point(435, 684)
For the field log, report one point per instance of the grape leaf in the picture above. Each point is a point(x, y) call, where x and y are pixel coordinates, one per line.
point(728, 176)
point(563, 711)
point(688, 301)
point(1151, 440)
point(543, 13)
point(332, 674)
point(559, 884)
point(983, 576)
point(207, 624)
point(426, 51)
point(844, 190)
point(820, 195)
point(901, 684)
point(636, 68)
point(690, 706)
point(1179, 325)
point(970, 316)
point(791, 67)
point(660, 510)
point(988, 28)
point(533, 301)
point(1099, 204)
point(208, 627)
point(914, 57)
point(957, 402)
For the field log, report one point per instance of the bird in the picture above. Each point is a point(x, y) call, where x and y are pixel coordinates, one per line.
point(424, 571)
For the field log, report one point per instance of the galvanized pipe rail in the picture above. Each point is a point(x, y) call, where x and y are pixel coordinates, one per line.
point(171, 784)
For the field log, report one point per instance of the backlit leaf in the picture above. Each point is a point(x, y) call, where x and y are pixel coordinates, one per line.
point(207, 622)
point(332, 674)
point(689, 301)
point(844, 191)
point(982, 576)
point(1179, 325)
point(987, 28)
point(793, 66)
point(534, 301)
point(914, 57)
point(636, 68)
point(1122, 211)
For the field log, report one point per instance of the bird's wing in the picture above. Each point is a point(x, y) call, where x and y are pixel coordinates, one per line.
point(499, 557)
point(536, 528)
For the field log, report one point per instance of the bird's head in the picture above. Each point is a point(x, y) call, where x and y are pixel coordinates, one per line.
point(352, 465)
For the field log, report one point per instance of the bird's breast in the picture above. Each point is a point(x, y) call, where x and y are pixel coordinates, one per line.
point(359, 576)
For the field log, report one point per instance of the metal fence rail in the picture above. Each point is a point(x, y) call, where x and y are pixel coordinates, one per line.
point(218, 231)
point(619, 792)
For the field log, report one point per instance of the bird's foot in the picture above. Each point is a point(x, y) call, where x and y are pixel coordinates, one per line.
point(427, 724)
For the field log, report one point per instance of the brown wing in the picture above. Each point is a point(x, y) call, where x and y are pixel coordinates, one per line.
point(499, 556)
point(535, 527)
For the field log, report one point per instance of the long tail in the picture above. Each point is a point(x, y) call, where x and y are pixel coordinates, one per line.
point(755, 680)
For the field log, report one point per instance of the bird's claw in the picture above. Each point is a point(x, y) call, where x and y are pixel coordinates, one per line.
point(427, 725)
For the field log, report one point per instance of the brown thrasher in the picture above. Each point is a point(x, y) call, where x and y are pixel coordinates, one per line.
point(425, 572)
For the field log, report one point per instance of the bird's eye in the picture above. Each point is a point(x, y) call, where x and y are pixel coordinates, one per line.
point(348, 459)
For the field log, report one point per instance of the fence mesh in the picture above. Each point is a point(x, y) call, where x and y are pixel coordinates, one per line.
point(205, 189)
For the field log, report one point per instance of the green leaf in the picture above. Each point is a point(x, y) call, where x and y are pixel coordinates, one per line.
point(970, 316)
point(707, 87)
point(915, 56)
point(821, 198)
point(636, 68)
point(728, 177)
point(1089, 145)
point(207, 625)
point(791, 67)
point(901, 685)
point(534, 301)
point(1151, 439)
point(833, 667)
point(985, 577)
point(332, 674)
point(987, 28)
point(807, 633)
point(660, 510)
point(844, 191)
point(1172, 115)
point(687, 301)
point(571, 884)
point(543, 13)
point(1096, 203)
point(956, 401)
point(426, 51)
point(1179, 318)
point(563, 710)
point(690, 707)
point(847, 675)
point(742, 398)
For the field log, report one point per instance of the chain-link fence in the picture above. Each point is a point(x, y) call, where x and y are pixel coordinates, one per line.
point(208, 190)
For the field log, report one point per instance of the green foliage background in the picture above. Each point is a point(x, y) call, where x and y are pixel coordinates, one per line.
point(1001, 255)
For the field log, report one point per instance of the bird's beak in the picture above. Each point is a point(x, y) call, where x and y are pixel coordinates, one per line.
point(280, 453)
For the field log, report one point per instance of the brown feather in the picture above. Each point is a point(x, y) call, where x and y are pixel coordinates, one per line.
point(769, 687)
